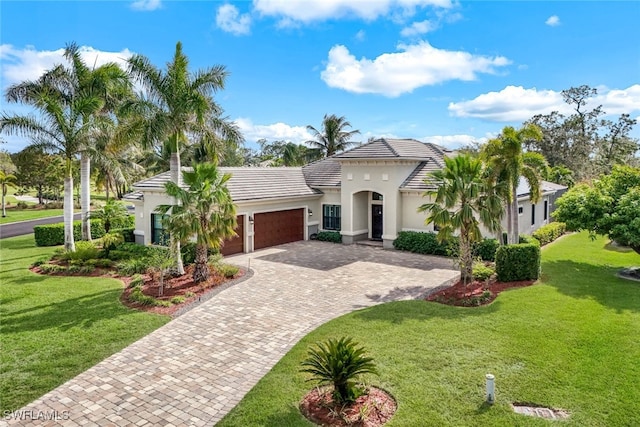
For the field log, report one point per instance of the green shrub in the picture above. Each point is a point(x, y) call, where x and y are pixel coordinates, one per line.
point(162, 303)
point(40, 261)
point(52, 268)
point(227, 270)
point(126, 233)
point(550, 232)
point(136, 281)
point(131, 266)
point(329, 236)
point(188, 251)
point(22, 204)
point(423, 243)
point(525, 238)
point(481, 271)
point(136, 295)
point(104, 263)
point(53, 234)
point(338, 362)
point(189, 294)
point(214, 259)
point(518, 262)
point(84, 251)
point(178, 300)
point(486, 249)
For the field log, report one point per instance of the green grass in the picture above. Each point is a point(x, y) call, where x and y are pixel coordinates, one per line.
point(53, 328)
point(15, 215)
point(571, 342)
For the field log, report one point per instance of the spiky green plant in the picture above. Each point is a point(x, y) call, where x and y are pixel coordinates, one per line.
point(338, 362)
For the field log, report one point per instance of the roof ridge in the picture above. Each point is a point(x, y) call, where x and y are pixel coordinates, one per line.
point(395, 153)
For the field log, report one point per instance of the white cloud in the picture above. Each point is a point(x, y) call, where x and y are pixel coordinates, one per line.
point(454, 141)
point(146, 5)
point(229, 19)
point(28, 64)
point(515, 103)
point(553, 21)
point(294, 12)
point(392, 74)
point(361, 35)
point(273, 132)
point(418, 28)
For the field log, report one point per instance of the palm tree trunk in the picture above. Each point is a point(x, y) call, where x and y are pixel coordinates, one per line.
point(4, 206)
point(69, 244)
point(515, 229)
point(201, 270)
point(85, 194)
point(176, 176)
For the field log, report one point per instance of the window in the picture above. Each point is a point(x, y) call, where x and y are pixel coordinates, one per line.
point(158, 235)
point(376, 196)
point(520, 210)
point(546, 210)
point(533, 214)
point(331, 217)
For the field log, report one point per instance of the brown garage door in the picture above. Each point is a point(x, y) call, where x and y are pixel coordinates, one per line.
point(235, 245)
point(276, 228)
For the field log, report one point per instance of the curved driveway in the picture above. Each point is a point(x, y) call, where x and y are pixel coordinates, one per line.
point(195, 369)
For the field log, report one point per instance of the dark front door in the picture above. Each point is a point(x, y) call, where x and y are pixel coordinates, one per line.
point(376, 222)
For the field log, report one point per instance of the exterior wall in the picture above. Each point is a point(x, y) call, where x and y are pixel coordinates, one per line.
point(331, 196)
point(154, 198)
point(525, 225)
point(412, 220)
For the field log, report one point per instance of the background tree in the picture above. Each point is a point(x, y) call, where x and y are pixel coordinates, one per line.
point(609, 206)
point(462, 200)
point(6, 180)
point(332, 136)
point(204, 210)
point(177, 105)
point(615, 147)
point(60, 125)
point(507, 163)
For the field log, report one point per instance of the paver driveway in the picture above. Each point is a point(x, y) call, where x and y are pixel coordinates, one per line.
point(193, 370)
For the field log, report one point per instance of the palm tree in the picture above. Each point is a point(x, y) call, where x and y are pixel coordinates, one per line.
point(63, 124)
point(178, 106)
point(332, 137)
point(507, 163)
point(462, 200)
point(111, 85)
point(6, 180)
point(204, 209)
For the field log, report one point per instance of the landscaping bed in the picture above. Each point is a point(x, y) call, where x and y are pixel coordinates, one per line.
point(474, 294)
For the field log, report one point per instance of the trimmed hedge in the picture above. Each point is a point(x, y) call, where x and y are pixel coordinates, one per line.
point(550, 232)
point(329, 236)
point(53, 234)
point(518, 262)
point(427, 244)
point(525, 238)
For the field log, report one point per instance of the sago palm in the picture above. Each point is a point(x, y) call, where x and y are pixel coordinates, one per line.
point(461, 200)
point(332, 136)
point(203, 209)
point(507, 163)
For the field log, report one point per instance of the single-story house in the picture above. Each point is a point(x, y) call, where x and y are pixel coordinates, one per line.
point(369, 192)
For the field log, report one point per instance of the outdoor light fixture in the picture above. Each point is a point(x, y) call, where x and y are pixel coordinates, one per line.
point(310, 212)
point(250, 220)
point(491, 389)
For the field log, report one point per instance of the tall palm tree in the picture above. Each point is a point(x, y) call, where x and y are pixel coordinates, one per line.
point(332, 136)
point(65, 117)
point(204, 209)
point(6, 180)
point(461, 200)
point(111, 85)
point(178, 106)
point(507, 163)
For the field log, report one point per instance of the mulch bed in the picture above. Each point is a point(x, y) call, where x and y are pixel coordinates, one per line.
point(369, 410)
point(475, 293)
point(180, 286)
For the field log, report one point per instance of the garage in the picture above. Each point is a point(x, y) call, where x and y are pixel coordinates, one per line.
point(235, 245)
point(276, 228)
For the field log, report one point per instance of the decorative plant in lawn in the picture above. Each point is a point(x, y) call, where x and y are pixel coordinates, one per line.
point(111, 213)
point(159, 262)
point(338, 362)
point(461, 200)
point(204, 209)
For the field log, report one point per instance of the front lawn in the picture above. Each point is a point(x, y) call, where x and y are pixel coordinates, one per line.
point(569, 342)
point(15, 215)
point(53, 328)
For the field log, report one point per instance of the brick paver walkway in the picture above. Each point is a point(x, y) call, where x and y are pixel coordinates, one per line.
point(195, 369)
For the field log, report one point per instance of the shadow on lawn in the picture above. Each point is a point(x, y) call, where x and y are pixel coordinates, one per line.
point(290, 416)
point(80, 312)
point(598, 282)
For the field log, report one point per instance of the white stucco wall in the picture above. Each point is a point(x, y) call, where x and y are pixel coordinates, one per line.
point(412, 220)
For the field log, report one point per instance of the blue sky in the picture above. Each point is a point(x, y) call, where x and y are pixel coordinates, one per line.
point(435, 70)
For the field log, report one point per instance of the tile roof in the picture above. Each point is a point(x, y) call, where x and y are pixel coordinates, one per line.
point(415, 181)
point(251, 183)
point(388, 148)
point(323, 173)
point(545, 186)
